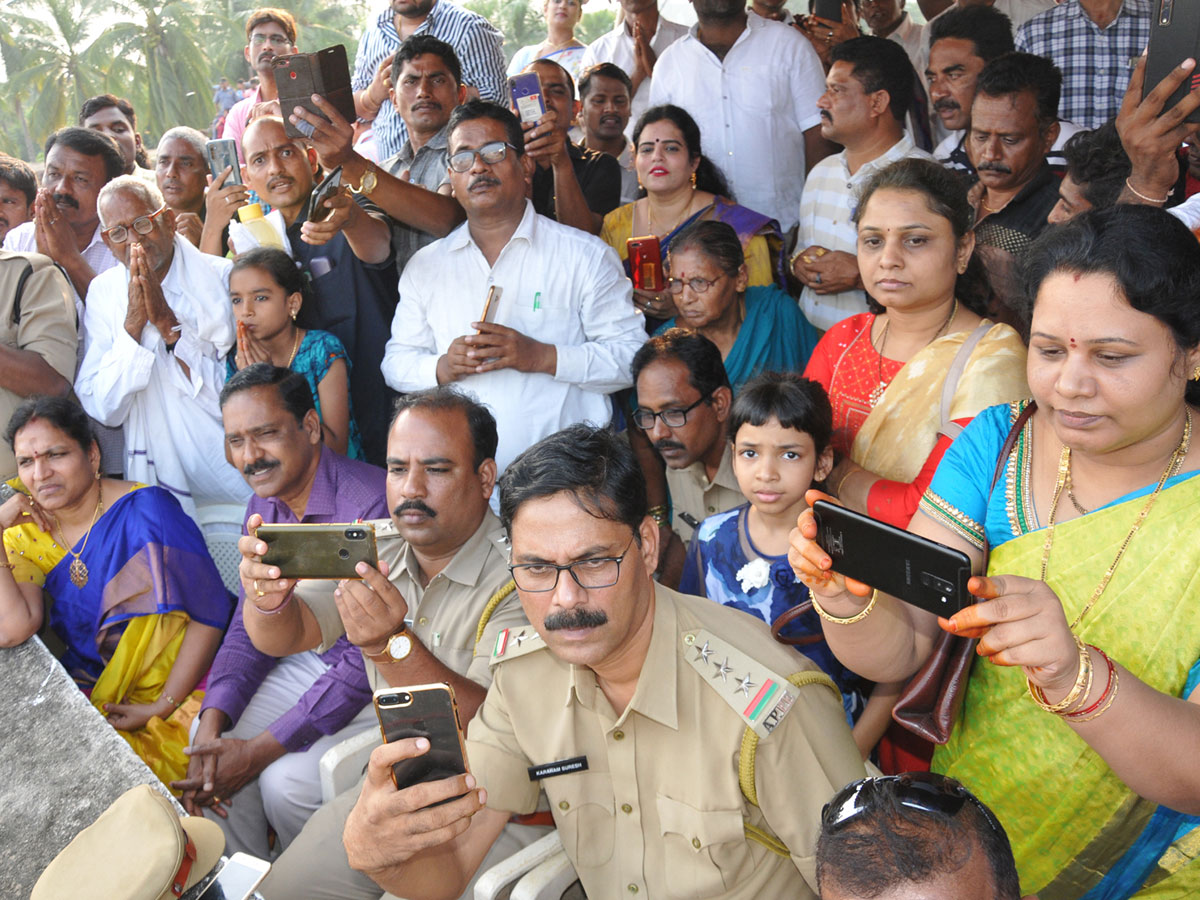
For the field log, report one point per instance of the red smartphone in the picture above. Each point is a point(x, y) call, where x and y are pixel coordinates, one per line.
point(645, 263)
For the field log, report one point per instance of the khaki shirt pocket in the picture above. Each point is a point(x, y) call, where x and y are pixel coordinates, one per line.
point(583, 809)
point(703, 849)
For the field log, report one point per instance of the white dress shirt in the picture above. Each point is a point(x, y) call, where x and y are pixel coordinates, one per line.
point(558, 285)
point(173, 432)
point(753, 108)
point(23, 239)
point(617, 47)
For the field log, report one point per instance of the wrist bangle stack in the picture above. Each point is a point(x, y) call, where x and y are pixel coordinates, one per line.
point(849, 620)
point(1106, 698)
point(658, 514)
point(1079, 691)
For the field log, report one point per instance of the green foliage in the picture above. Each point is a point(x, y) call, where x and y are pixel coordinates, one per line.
point(595, 24)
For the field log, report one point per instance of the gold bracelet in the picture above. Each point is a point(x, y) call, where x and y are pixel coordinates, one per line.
point(658, 514)
point(1141, 196)
point(836, 620)
point(1107, 703)
point(175, 703)
point(1079, 691)
point(837, 491)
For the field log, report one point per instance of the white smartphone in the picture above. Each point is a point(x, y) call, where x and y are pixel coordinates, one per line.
point(238, 878)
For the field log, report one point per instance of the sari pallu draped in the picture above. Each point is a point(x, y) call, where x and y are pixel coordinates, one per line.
point(149, 575)
point(1076, 829)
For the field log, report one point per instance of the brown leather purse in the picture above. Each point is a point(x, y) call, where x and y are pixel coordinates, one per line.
point(930, 702)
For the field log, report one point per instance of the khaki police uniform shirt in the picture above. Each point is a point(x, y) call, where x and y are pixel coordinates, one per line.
point(45, 325)
point(694, 494)
point(444, 614)
point(658, 811)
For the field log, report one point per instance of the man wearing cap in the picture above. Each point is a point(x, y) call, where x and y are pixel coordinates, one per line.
point(629, 706)
point(430, 613)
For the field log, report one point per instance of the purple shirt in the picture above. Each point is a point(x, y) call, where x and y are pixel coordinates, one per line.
point(343, 490)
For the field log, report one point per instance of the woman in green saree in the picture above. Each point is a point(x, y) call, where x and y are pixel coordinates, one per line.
point(1081, 719)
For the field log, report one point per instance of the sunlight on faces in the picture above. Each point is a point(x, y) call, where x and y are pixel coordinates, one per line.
point(181, 175)
point(75, 181)
point(774, 466)
point(427, 93)
point(662, 385)
point(1005, 145)
point(952, 74)
point(121, 208)
point(264, 442)
point(488, 188)
point(1123, 380)
point(606, 108)
point(267, 41)
point(279, 169)
point(261, 303)
point(57, 471)
point(436, 496)
point(908, 256)
point(112, 121)
point(715, 305)
point(558, 529)
point(562, 11)
point(661, 158)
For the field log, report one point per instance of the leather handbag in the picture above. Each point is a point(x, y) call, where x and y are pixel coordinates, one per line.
point(930, 703)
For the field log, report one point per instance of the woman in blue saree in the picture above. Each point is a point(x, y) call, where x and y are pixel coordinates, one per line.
point(136, 598)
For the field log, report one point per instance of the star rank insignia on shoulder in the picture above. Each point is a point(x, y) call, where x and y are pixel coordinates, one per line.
point(761, 697)
point(514, 642)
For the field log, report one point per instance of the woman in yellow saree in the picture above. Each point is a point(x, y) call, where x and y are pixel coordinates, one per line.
point(1081, 719)
point(135, 596)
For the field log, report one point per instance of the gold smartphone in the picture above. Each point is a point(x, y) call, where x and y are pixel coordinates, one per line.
point(429, 711)
point(319, 551)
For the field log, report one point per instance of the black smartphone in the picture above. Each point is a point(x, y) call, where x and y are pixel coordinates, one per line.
point(828, 9)
point(929, 575)
point(1174, 36)
point(332, 184)
point(221, 155)
point(525, 93)
point(645, 263)
point(429, 711)
point(319, 550)
point(300, 75)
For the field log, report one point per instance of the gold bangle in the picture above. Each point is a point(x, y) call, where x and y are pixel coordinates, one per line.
point(850, 620)
point(1107, 703)
point(1141, 196)
point(175, 703)
point(837, 491)
point(1080, 690)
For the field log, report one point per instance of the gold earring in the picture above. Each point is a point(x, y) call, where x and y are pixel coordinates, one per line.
point(693, 181)
point(294, 313)
point(1196, 374)
point(97, 474)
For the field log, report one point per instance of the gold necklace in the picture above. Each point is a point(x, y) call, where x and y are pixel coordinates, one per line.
point(295, 347)
point(79, 569)
point(997, 209)
point(682, 215)
point(1064, 478)
point(877, 392)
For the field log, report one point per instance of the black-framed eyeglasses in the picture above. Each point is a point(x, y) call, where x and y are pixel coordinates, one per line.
point(696, 283)
point(491, 153)
point(594, 572)
point(923, 791)
point(118, 234)
point(673, 418)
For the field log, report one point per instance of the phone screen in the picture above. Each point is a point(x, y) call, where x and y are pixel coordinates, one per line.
point(427, 711)
point(237, 879)
point(222, 154)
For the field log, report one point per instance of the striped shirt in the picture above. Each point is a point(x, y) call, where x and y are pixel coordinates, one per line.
point(1096, 62)
point(428, 169)
point(474, 39)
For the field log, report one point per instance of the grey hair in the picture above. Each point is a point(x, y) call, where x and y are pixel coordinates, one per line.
point(182, 132)
point(144, 191)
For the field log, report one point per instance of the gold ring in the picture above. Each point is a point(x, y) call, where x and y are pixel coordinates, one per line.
point(216, 801)
point(258, 592)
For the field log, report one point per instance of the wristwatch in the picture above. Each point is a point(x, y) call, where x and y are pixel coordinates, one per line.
point(368, 181)
point(398, 646)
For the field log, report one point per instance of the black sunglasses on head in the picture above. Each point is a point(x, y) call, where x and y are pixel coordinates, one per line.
point(923, 791)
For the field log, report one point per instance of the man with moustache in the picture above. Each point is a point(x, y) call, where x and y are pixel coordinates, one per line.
point(634, 45)
point(628, 708)
point(270, 32)
point(431, 612)
point(347, 256)
point(18, 190)
point(961, 42)
point(475, 41)
point(265, 722)
point(560, 330)
point(752, 87)
point(683, 397)
point(1014, 123)
point(157, 330)
point(65, 224)
point(181, 167)
point(115, 117)
point(868, 90)
point(605, 92)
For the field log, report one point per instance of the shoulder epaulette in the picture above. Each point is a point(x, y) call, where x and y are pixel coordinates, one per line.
point(514, 642)
point(761, 697)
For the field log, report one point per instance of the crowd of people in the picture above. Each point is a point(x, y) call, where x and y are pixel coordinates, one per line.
point(941, 273)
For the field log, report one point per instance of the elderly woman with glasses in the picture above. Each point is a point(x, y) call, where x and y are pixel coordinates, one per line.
point(757, 329)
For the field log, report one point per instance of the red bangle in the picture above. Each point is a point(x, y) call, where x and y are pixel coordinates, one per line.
point(1112, 670)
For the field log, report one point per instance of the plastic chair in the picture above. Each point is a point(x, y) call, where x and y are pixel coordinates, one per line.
point(541, 871)
point(342, 765)
point(221, 525)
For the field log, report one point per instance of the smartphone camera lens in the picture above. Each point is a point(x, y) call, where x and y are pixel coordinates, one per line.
point(355, 534)
point(389, 700)
point(343, 553)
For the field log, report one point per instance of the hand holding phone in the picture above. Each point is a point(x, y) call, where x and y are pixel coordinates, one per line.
point(525, 94)
point(222, 155)
point(330, 187)
point(645, 263)
point(1174, 37)
point(423, 711)
point(328, 551)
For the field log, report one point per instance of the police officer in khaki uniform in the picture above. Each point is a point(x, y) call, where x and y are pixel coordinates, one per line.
point(684, 753)
point(430, 613)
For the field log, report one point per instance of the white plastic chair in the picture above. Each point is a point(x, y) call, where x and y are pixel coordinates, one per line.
point(540, 871)
point(342, 765)
point(221, 525)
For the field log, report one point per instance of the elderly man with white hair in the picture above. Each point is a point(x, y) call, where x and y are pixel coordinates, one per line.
point(157, 330)
point(181, 170)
